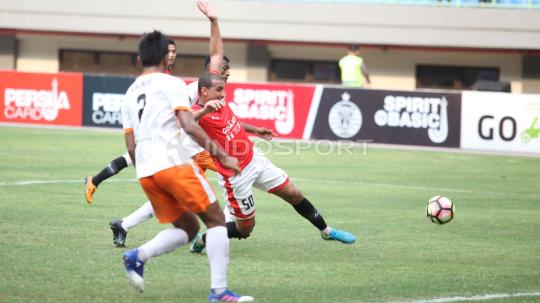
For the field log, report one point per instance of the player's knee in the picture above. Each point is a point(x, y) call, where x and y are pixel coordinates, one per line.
point(294, 195)
point(192, 234)
point(245, 227)
point(190, 230)
point(297, 195)
point(189, 223)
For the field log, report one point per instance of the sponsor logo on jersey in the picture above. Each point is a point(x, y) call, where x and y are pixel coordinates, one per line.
point(231, 129)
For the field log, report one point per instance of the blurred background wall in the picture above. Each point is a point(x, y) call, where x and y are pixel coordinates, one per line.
point(406, 44)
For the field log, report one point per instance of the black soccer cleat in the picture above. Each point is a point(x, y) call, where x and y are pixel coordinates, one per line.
point(119, 233)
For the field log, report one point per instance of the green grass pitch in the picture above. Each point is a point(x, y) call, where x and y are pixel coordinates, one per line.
point(56, 248)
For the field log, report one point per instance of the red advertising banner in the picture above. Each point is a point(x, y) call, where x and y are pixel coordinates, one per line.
point(41, 98)
point(282, 108)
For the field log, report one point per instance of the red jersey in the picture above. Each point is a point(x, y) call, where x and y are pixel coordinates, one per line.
point(224, 128)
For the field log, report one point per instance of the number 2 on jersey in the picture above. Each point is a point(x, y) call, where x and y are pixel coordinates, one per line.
point(141, 102)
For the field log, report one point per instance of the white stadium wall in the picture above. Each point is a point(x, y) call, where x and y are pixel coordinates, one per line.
point(390, 69)
point(500, 122)
point(397, 38)
point(294, 22)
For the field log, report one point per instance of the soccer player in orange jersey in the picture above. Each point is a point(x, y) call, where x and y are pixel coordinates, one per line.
point(157, 121)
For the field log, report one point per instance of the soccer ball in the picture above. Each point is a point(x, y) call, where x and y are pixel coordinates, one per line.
point(440, 210)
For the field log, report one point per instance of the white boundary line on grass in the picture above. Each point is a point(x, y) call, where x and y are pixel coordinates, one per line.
point(39, 182)
point(307, 131)
point(434, 190)
point(474, 298)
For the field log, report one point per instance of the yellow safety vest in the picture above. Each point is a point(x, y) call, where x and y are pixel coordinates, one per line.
point(351, 70)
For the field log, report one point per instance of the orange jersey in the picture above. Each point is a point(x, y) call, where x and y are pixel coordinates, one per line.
point(176, 190)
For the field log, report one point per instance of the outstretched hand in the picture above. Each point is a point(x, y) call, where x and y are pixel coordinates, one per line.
point(213, 105)
point(231, 163)
point(203, 6)
point(265, 133)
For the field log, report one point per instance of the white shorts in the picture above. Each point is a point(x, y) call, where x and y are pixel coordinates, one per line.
point(260, 173)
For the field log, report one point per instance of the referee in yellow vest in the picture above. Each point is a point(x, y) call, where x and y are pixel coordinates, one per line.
point(353, 68)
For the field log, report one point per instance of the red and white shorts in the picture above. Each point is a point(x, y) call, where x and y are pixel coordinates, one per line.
point(260, 173)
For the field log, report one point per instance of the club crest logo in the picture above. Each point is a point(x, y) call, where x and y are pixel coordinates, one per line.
point(345, 118)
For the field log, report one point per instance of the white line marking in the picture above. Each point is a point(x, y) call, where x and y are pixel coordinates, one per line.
point(312, 114)
point(474, 298)
point(306, 132)
point(38, 182)
point(423, 188)
point(338, 182)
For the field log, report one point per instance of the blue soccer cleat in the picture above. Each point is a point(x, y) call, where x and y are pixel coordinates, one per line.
point(339, 235)
point(134, 269)
point(228, 296)
point(196, 247)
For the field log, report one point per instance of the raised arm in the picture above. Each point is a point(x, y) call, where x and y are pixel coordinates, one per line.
point(130, 145)
point(209, 107)
point(265, 133)
point(215, 51)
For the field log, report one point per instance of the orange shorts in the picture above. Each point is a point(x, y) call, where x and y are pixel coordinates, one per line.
point(178, 189)
point(205, 161)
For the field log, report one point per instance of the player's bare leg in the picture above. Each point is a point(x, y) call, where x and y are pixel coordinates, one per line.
point(236, 228)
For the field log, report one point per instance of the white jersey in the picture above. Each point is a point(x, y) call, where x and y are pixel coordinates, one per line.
point(149, 111)
point(193, 94)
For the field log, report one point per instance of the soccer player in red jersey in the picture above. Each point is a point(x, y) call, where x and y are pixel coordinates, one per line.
point(257, 170)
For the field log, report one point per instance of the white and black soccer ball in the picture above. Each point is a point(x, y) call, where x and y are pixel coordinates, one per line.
point(440, 210)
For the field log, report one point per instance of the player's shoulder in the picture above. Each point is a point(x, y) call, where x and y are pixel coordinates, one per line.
point(174, 80)
point(163, 80)
point(193, 84)
point(197, 106)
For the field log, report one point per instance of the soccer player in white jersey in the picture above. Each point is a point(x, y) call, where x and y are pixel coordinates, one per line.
point(121, 226)
point(118, 164)
point(156, 118)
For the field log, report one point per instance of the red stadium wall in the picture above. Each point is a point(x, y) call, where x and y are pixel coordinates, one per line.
point(282, 108)
point(295, 111)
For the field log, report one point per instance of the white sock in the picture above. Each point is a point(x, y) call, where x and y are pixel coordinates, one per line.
point(327, 230)
point(217, 249)
point(227, 213)
point(143, 213)
point(128, 159)
point(166, 241)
